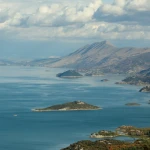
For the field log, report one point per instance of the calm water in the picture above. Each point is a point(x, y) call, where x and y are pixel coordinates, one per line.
point(24, 88)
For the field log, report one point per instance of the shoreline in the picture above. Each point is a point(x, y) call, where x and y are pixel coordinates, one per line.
point(37, 110)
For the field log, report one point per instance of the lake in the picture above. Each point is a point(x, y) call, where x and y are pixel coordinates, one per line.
point(25, 88)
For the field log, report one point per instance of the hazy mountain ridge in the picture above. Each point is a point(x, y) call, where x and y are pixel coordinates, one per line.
point(105, 56)
point(101, 56)
point(4, 62)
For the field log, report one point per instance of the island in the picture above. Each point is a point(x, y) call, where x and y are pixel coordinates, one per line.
point(69, 74)
point(104, 80)
point(71, 106)
point(145, 89)
point(132, 104)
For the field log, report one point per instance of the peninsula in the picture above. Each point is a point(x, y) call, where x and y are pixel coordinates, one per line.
point(71, 106)
point(130, 131)
point(145, 89)
point(110, 144)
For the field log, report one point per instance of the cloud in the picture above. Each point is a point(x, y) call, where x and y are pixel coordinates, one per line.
point(49, 19)
point(131, 11)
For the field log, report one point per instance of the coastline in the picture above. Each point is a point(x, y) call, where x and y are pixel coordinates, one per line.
point(37, 110)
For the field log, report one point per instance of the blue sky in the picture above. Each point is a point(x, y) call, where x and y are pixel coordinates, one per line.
point(43, 28)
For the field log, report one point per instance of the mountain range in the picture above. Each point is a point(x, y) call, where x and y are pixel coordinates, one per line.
point(107, 58)
point(102, 56)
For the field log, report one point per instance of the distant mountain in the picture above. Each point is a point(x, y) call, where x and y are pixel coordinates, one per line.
point(106, 57)
point(40, 62)
point(99, 57)
point(6, 62)
point(36, 62)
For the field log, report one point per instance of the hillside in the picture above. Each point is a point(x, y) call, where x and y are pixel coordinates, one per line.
point(97, 57)
point(106, 57)
point(110, 144)
point(142, 78)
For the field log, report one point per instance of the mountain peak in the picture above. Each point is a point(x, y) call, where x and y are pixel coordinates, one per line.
point(102, 44)
point(106, 43)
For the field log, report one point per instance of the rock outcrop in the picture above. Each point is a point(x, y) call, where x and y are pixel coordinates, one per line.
point(145, 89)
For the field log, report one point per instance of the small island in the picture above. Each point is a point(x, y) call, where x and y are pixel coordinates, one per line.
point(104, 80)
point(132, 104)
point(69, 74)
point(145, 89)
point(71, 106)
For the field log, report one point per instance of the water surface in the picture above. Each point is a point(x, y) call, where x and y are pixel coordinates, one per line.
point(24, 88)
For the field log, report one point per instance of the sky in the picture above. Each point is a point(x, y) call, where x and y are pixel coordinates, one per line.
point(44, 28)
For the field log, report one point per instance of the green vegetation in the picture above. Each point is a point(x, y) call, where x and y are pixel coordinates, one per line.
point(134, 131)
point(110, 144)
point(76, 105)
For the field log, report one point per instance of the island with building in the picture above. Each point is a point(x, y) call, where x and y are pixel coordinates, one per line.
point(70, 106)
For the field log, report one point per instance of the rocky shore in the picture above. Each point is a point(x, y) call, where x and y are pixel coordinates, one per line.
point(145, 89)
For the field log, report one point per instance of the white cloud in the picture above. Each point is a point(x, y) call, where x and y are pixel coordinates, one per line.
point(138, 5)
point(49, 19)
